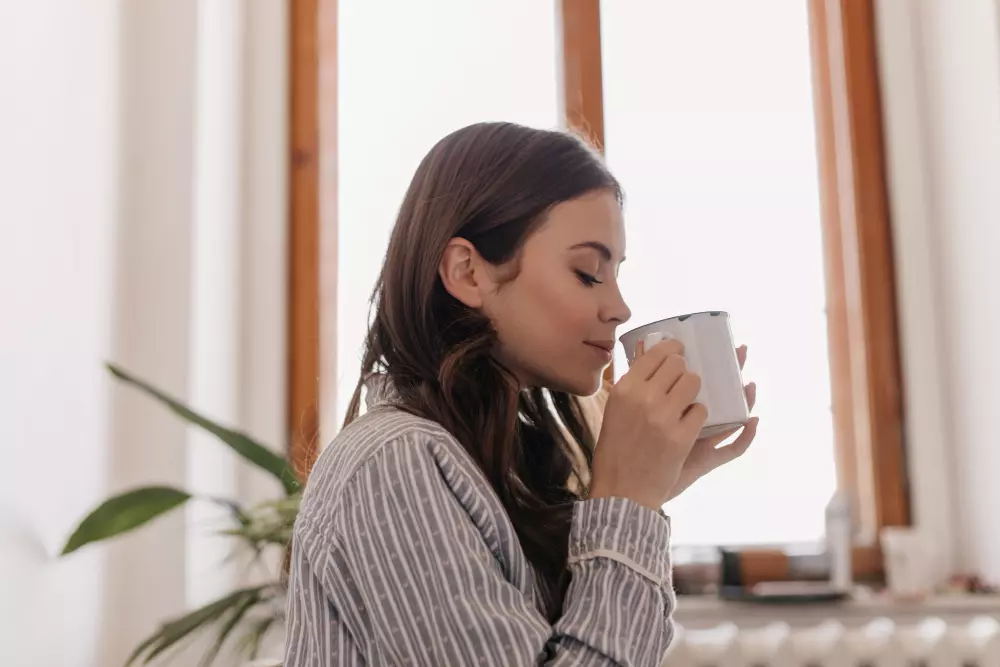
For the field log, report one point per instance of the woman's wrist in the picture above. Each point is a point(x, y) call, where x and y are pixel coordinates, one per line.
point(597, 491)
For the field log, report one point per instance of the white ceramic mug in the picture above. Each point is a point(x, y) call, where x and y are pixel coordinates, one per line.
point(710, 352)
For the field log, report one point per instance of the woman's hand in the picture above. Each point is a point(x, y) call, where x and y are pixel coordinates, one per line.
point(706, 455)
point(650, 425)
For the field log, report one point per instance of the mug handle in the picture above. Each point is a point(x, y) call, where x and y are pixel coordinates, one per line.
point(655, 337)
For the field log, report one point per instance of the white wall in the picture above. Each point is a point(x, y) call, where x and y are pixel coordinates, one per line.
point(97, 261)
point(57, 212)
point(941, 86)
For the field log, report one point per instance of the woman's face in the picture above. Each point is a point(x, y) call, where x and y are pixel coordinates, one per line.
point(556, 319)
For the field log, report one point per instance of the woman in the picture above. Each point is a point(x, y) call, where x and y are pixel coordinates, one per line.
point(471, 516)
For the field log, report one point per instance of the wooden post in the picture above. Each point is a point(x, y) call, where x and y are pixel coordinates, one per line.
point(312, 214)
point(583, 90)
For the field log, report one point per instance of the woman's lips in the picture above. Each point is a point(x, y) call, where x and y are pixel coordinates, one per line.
point(603, 349)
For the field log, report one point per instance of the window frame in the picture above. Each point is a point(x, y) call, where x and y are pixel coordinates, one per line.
point(865, 370)
point(312, 221)
point(866, 374)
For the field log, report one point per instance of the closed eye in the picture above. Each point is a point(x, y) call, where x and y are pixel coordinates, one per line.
point(588, 279)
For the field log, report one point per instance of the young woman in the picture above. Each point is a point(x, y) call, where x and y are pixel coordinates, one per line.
point(472, 515)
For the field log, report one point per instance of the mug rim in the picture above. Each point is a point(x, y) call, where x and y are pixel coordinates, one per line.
point(684, 316)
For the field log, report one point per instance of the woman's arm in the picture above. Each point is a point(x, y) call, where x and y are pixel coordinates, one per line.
point(415, 581)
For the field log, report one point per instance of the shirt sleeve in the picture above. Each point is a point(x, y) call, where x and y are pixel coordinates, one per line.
point(414, 577)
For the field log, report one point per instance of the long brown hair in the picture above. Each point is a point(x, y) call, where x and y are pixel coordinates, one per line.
point(491, 184)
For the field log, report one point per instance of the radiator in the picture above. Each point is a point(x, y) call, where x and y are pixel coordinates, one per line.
point(880, 643)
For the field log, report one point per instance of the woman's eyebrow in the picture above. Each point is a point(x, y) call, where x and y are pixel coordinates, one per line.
point(602, 249)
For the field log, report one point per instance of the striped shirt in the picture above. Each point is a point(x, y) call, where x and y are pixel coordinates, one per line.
point(404, 555)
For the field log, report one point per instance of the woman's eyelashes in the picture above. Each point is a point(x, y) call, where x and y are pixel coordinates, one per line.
point(587, 279)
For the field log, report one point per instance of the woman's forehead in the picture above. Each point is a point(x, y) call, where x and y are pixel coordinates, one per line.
point(588, 222)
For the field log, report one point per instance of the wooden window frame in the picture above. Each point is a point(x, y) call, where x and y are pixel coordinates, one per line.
point(312, 218)
point(865, 374)
point(860, 278)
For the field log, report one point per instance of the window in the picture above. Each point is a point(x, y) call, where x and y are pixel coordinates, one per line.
point(750, 136)
point(404, 84)
point(715, 144)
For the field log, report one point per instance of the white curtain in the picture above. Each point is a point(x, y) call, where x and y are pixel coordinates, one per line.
point(148, 163)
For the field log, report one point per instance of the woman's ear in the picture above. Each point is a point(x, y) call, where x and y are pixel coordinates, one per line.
point(461, 272)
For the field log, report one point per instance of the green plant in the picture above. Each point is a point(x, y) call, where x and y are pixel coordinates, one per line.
point(245, 615)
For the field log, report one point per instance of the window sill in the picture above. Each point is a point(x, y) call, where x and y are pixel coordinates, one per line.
point(697, 612)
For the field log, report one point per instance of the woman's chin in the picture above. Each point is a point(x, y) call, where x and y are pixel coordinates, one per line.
point(577, 386)
point(592, 387)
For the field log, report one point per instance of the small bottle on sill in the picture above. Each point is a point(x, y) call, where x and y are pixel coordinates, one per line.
point(839, 535)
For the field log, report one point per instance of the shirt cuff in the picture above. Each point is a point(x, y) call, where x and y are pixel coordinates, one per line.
point(624, 531)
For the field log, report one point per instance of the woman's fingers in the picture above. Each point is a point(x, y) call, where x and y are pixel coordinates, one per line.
point(737, 448)
point(693, 419)
point(741, 355)
point(666, 367)
point(647, 362)
point(713, 441)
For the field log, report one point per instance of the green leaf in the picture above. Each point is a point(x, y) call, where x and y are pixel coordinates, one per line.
point(123, 513)
point(251, 450)
point(249, 645)
point(141, 648)
point(268, 523)
point(179, 628)
point(235, 509)
point(238, 612)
